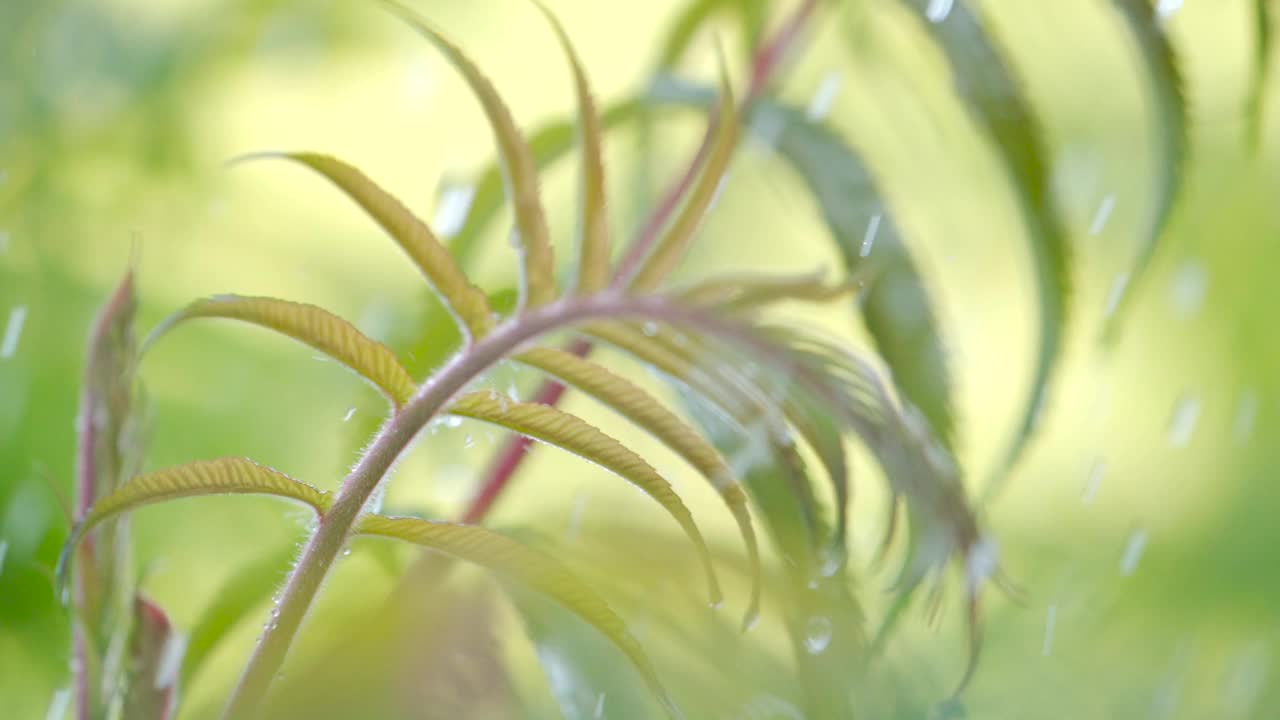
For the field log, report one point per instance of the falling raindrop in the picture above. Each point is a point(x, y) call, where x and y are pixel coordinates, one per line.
point(468, 441)
point(1166, 8)
point(1102, 214)
point(1050, 623)
point(59, 704)
point(1118, 286)
point(817, 634)
point(824, 97)
point(1246, 415)
point(1133, 552)
point(599, 713)
point(452, 208)
point(575, 516)
point(1182, 423)
point(13, 331)
point(1190, 283)
point(869, 237)
point(938, 10)
point(349, 414)
point(4, 550)
point(1096, 472)
point(346, 552)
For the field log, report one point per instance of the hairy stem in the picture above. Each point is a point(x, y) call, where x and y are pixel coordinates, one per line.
point(335, 526)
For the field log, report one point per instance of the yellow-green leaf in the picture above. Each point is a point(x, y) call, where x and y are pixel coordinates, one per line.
point(671, 247)
point(523, 565)
point(465, 302)
point(225, 476)
point(752, 291)
point(593, 230)
point(570, 433)
point(313, 326)
point(641, 408)
point(519, 170)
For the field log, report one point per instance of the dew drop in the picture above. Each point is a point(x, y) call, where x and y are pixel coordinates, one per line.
point(1190, 284)
point(452, 208)
point(938, 10)
point(1182, 422)
point(869, 237)
point(817, 634)
point(650, 328)
point(346, 552)
point(824, 97)
point(13, 331)
point(453, 421)
point(351, 412)
point(1102, 214)
point(1133, 552)
point(1096, 472)
point(1246, 415)
point(59, 704)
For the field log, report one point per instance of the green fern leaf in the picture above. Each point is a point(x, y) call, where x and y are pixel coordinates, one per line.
point(519, 169)
point(565, 431)
point(641, 408)
point(466, 302)
point(1160, 63)
point(210, 477)
point(313, 326)
point(593, 241)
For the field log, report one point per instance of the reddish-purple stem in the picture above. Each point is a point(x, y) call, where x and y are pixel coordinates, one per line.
point(764, 65)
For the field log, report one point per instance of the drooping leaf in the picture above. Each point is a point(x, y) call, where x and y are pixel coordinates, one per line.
point(1160, 63)
point(593, 223)
point(641, 408)
point(520, 564)
point(156, 655)
point(519, 170)
point(670, 248)
point(313, 326)
point(245, 589)
point(986, 85)
point(894, 300)
point(466, 302)
point(1255, 108)
point(209, 477)
point(570, 433)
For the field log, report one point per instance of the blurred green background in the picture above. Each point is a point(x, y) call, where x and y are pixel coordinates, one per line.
point(1142, 526)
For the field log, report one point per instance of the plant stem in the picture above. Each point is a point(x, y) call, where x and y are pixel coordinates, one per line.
point(334, 529)
point(764, 66)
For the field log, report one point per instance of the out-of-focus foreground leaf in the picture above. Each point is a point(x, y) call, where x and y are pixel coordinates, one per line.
point(1160, 64)
point(520, 564)
point(155, 658)
point(986, 85)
